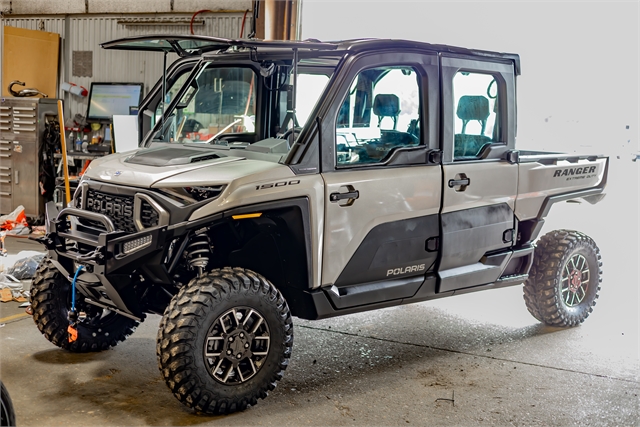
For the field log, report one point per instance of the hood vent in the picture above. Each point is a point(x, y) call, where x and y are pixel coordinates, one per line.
point(172, 156)
point(203, 158)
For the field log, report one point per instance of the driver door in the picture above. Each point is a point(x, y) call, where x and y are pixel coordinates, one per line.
point(382, 197)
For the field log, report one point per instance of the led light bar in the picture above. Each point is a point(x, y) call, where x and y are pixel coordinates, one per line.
point(136, 244)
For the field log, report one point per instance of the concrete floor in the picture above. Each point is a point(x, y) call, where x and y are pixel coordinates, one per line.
point(386, 367)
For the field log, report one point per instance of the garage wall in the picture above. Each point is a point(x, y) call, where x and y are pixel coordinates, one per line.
point(40, 7)
point(86, 32)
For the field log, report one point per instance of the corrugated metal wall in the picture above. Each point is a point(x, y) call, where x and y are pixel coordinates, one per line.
point(85, 33)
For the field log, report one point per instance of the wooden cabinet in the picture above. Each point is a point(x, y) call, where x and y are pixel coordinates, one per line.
point(22, 122)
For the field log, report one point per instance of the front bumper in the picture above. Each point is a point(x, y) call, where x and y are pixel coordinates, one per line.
point(110, 258)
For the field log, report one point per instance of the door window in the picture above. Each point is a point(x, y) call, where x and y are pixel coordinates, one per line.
point(476, 114)
point(380, 113)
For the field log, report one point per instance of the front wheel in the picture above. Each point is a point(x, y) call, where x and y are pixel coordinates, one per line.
point(98, 329)
point(224, 341)
point(565, 278)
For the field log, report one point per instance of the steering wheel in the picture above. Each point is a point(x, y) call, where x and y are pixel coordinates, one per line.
point(489, 90)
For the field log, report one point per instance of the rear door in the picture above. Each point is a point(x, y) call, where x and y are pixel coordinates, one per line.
point(381, 195)
point(479, 183)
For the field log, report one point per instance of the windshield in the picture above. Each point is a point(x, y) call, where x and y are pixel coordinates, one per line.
point(217, 101)
point(221, 103)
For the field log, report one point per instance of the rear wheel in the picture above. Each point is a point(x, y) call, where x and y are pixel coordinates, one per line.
point(98, 329)
point(565, 278)
point(224, 341)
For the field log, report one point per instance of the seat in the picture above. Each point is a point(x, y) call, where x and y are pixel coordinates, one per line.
point(386, 105)
point(471, 107)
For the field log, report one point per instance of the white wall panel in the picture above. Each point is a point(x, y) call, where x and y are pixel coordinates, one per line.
point(45, 23)
point(195, 5)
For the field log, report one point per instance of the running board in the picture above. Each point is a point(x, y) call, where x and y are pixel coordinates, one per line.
point(370, 293)
point(488, 271)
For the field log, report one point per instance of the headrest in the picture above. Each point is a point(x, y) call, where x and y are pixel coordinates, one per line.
point(386, 105)
point(473, 108)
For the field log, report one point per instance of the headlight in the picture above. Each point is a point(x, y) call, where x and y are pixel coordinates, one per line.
point(189, 195)
point(204, 193)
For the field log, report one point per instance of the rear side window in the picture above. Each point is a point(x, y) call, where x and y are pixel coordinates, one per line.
point(380, 113)
point(476, 114)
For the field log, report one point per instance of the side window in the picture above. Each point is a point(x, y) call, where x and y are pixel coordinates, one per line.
point(380, 113)
point(308, 90)
point(475, 109)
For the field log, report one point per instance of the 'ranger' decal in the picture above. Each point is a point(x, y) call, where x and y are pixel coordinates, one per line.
point(575, 173)
point(409, 269)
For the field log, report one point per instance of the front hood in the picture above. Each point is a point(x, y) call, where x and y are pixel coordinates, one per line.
point(146, 166)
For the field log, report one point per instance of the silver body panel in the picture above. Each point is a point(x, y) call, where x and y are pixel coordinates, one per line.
point(242, 192)
point(385, 195)
point(491, 184)
point(113, 169)
point(537, 182)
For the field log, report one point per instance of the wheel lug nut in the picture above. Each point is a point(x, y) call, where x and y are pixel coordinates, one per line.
point(230, 339)
point(239, 356)
point(246, 345)
point(229, 351)
point(241, 335)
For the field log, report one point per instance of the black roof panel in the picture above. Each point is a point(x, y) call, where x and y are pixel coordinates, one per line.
point(196, 45)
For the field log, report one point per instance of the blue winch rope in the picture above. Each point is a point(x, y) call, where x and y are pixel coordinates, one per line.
point(73, 288)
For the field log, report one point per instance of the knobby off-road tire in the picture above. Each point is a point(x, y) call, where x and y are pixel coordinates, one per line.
point(199, 341)
point(565, 278)
point(7, 413)
point(51, 302)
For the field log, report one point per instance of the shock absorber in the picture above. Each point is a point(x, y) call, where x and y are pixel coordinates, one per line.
point(197, 253)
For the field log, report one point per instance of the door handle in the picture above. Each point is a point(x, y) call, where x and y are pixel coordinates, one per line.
point(458, 182)
point(336, 197)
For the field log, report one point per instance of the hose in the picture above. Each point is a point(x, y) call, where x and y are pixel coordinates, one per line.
point(194, 17)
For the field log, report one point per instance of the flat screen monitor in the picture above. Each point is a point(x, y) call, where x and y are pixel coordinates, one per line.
point(109, 99)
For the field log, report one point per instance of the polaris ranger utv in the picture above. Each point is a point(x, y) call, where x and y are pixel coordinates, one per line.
point(308, 179)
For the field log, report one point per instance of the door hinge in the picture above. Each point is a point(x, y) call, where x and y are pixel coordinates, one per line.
point(432, 244)
point(507, 236)
point(434, 156)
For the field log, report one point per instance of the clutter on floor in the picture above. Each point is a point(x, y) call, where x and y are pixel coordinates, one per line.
point(16, 272)
point(14, 223)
